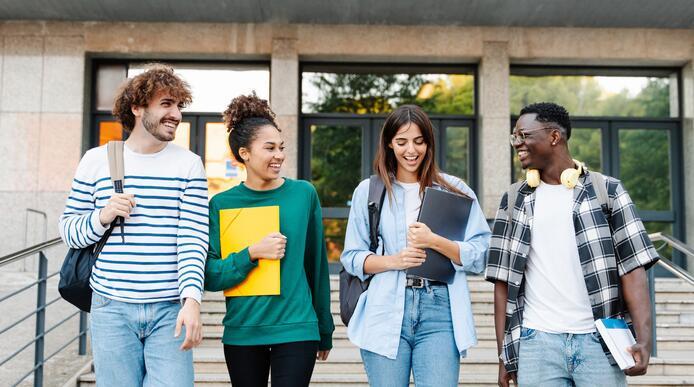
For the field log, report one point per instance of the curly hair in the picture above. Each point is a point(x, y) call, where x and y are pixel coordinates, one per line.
point(550, 113)
point(243, 117)
point(139, 90)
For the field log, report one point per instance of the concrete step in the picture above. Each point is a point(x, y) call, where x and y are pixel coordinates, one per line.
point(685, 306)
point(481, 329)
point(479, 361)
point(359, 380)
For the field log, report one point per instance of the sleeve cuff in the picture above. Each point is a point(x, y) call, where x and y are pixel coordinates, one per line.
point(191, 292)
point(99, 229)
point(470, 259)
point(359, 259)
point(242, 261)
point(326, 342)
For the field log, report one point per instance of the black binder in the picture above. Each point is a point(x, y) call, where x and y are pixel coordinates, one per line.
point(446, 214)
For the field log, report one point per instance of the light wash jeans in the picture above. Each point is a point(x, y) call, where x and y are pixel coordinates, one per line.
point(134, 344)
point(565, 359)
point(427, 346)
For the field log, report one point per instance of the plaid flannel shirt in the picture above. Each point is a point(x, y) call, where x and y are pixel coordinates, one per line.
point(611, 242)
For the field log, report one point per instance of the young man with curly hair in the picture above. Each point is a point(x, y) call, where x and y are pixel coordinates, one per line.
point(147, 282)
point(567, 249)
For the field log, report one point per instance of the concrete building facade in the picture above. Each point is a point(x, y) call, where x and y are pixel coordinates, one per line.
point(46, 89)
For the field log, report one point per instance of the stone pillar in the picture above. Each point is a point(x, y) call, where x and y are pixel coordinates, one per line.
point(284, 98)
point(688, 156)
point(494, 114)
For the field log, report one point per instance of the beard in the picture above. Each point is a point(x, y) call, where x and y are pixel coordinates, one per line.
point(151, 125)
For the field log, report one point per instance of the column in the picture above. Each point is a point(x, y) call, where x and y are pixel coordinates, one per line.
point(494, 114)
point(688, 156)
point(284, 98)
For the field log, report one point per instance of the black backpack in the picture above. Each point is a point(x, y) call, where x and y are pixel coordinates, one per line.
point(77, 266)
point(351, 287)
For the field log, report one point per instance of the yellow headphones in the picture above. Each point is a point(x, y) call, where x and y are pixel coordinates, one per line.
point(569, 177)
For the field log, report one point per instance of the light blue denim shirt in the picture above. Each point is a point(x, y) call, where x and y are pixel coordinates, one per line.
point(375, 325)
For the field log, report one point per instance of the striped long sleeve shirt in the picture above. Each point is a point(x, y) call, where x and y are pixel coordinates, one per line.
point(166, 235)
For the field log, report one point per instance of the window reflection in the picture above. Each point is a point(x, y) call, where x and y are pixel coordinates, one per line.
point(223, 171)
point(644, 167)
point(585, 145)
point(584, 95)
point(458, 152)
point(334, 230)
point(335, 162)
point(373, 93)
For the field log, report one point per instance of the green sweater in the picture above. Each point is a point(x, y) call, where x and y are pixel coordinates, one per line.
point(302, 310)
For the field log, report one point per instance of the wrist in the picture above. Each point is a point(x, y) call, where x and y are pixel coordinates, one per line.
point(435, 241)
point(390, 262)
point(190, 300)
point(252, 253)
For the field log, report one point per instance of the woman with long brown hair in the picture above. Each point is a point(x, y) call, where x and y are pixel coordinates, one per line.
point(406, 324)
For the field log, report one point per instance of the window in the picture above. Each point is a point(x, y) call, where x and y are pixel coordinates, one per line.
point(343, 110)
point(625, 123)
point(201, 130)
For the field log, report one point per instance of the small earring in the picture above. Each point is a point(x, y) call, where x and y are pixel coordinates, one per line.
point(554, 143)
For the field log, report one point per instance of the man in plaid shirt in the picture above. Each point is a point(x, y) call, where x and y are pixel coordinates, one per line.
point(560, 260)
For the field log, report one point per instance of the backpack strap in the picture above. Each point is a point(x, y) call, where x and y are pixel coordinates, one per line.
point(117, 170)
point(115, 164)
point(598, 181)
point(511, 198)
point(377, 193)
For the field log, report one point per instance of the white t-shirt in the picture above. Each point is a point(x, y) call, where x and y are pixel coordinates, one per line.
point(412, 201)
point(556, 297)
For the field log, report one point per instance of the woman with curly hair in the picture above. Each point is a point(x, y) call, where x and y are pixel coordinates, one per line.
point(285, 333)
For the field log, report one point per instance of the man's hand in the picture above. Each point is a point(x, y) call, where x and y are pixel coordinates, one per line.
point(419, 235)
point(641, 357)
point(118, 205)
point(505, 377)
point(323, 355)
point(189, 316)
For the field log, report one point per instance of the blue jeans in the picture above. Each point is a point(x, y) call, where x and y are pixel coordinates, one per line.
point(134, 344)
point(565, 359)
point(427, 345)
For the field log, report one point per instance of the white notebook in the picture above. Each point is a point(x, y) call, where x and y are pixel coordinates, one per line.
point(618, 337)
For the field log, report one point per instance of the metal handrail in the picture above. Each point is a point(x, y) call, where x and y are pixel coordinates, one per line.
point(21, 254)
point(40, 312)
point(668, 264)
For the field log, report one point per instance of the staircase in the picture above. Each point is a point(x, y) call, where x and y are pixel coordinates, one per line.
point(673, 366)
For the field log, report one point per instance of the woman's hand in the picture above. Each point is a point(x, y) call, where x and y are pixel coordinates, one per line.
point(407, 258)
point(271, 247)
point(419, 235)
point(322, 355)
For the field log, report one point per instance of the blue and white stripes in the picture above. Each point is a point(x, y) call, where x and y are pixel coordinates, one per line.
point(166, 236)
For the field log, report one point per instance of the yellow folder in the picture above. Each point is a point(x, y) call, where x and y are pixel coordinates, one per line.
point(242, 227)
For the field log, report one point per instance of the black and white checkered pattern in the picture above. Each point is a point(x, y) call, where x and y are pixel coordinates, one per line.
point(611, 242)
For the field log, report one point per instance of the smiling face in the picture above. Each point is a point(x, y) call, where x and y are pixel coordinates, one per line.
point(264, 156)
point(536, 151)
point(160, 117)
point(410, 150)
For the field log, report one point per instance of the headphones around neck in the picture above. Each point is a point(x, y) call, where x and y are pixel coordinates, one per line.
point(569, 177)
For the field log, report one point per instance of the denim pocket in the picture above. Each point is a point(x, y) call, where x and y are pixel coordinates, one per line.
point(595, 337)
point(440, 295)
point(99, 301)
point(527, 333)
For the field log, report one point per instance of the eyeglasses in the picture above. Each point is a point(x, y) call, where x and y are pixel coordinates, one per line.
point(520, 137)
